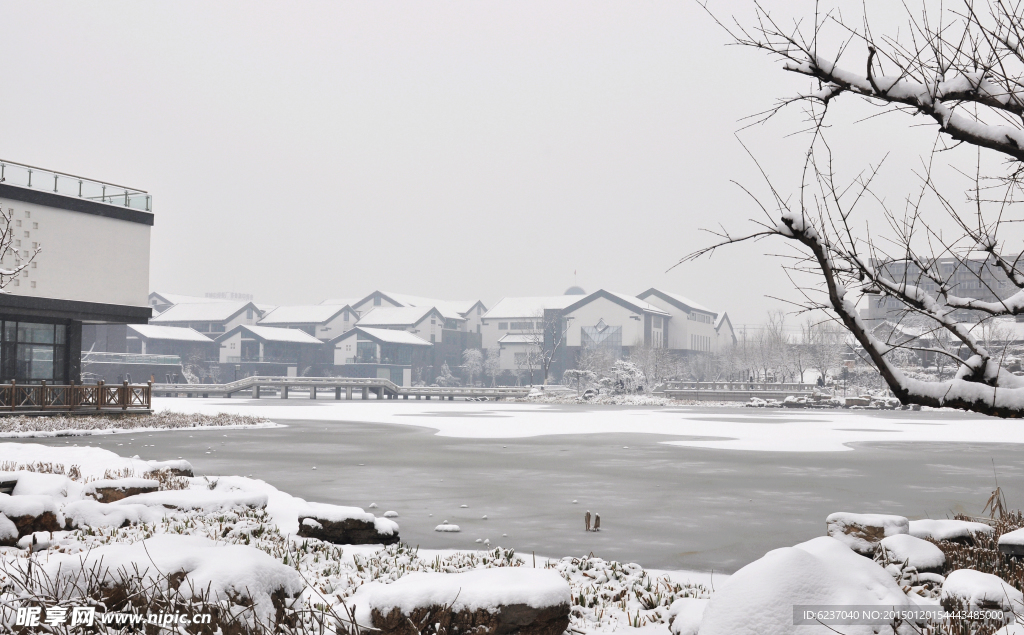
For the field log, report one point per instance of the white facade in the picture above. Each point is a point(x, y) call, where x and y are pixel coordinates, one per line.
point(604, 311)
point(84, 257)
point(692, 327)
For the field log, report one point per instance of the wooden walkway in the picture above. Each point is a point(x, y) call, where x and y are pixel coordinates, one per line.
point(342, 387)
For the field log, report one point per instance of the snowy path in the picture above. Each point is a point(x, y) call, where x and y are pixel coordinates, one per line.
point(724, 428)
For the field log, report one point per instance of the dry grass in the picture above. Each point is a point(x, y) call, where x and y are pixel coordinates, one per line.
point(164, 420)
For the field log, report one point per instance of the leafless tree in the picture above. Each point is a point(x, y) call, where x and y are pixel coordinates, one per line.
point(825, 343)
point(654, 361)
point(544, 340)
point(13, 261)
point(960, 68)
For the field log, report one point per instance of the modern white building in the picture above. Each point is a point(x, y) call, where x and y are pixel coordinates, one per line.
point(692, 327)
point(519, 316)
point(85, 244)
point(323, 321)
point(614, 322)
point(460, 315)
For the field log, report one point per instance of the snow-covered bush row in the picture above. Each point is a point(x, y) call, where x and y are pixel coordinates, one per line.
point(21, 427)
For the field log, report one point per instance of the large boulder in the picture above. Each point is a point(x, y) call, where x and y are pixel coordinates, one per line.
point(32, 513)
point(111, 490)
point(970, 590)
point(345, 525)
point(763, 598)
point(498, 601)
point(863, 532)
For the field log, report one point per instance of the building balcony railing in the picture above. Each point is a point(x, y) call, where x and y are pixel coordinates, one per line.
point(130, 358)
point(13, 173)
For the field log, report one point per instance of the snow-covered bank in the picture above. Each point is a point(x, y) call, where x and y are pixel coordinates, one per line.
point(15, 427)
point(728, 429)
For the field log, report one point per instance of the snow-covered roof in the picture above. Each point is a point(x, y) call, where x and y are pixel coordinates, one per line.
point(722, 317)
point(528, 307)
point(635, 301)
point(175, 298)
point(392, 336)
point(302, 314)
point(394, 316)
point(341, 301)
point(678, 299)
point(517, 338)
point(154, 332)
point(202, 312)
point(275, 334)
point(632, 302)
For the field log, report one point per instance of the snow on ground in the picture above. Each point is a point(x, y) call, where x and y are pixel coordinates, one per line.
point(772, 431)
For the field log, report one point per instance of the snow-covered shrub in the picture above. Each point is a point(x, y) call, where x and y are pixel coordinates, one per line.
point(627, 377)
point(446, 378)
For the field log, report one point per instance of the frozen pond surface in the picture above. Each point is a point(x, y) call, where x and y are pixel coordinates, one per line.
point(663, 505)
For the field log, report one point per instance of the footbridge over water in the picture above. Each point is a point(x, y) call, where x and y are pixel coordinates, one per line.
point(347, 386)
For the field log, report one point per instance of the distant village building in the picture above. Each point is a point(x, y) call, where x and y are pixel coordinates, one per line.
point(323, 321)
point(975, 276)
point(209, 318)
point(380, 353)
point(247, 350)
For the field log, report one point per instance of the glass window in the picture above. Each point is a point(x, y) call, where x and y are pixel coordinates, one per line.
point(35, 363)
point(35, 333)
point(502, 326)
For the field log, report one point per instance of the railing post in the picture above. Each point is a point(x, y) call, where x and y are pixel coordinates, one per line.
point(99, 395)
point(42, 395)
point(149, 394)
point(14, 393)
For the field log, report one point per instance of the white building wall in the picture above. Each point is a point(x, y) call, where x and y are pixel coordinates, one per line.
point(335, 327)
point(85, 257)
point(231, 347)
point(344, 349)
point(613, 315)
point(490, 333)
point(696, 328)
point(678, 331)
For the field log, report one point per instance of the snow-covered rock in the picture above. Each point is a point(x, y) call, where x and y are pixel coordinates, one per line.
point(947, 529)
point(32, 512)
point(56, 486)
point(90, 513)
point(759, 598)
point(685, 614)
point(198, 499)
point(345, 525)
point(178, 467)
point(918, 553)
point(970, 589)
point(110, 490)
point(8, 532)
point(229, 571)
point(1012, 542)
point(862, 532)
point(502, 600)
point(446, 527)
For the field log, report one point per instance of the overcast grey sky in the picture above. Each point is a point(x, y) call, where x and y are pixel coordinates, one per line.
point(304, 150)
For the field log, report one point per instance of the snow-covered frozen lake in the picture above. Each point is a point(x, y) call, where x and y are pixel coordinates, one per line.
point(677, 488)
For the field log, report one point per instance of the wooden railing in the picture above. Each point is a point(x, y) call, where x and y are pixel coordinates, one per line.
point(42, 397)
